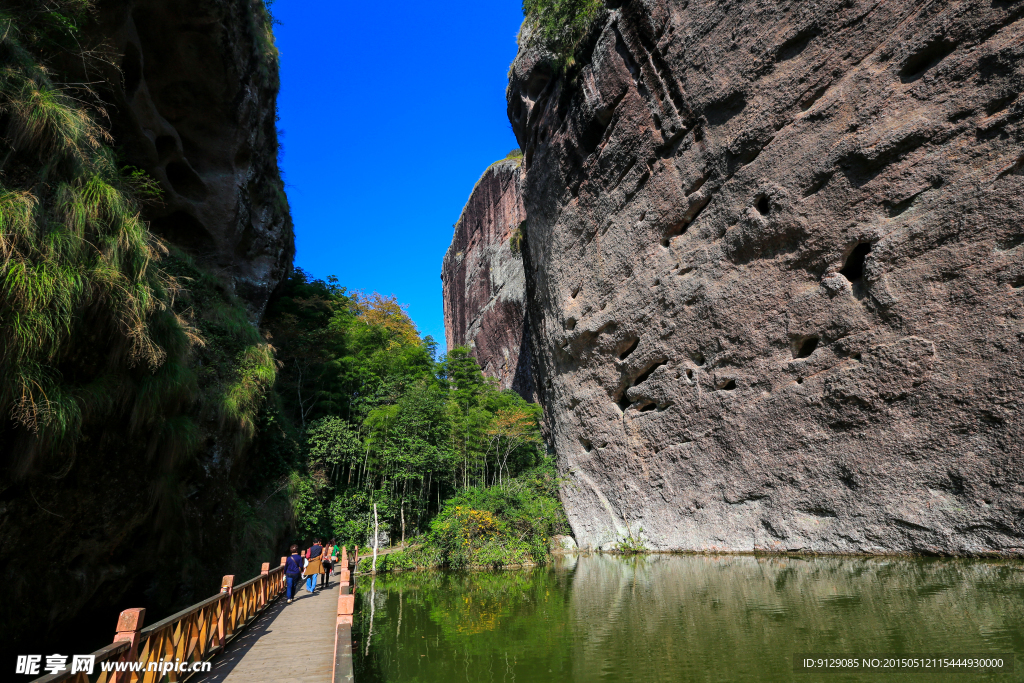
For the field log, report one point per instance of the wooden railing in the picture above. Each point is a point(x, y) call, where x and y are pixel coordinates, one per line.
point(191, 636)
point(343, 669)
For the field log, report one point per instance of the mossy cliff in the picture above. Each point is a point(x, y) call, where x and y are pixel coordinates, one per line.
point(143, 228)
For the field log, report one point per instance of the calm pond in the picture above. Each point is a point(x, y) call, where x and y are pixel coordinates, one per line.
point(686, 618)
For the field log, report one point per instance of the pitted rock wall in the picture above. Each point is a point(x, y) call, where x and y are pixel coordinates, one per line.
point(194, 106)
point(775, 274)
point(484, 284)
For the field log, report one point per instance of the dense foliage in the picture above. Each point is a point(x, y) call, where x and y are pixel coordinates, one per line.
point(386, 424)
point(561, 25)
point(77, 260)
point(494, 526)
point(116, 349)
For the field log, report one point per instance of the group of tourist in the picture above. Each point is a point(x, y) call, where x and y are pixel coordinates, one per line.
point(316, 562)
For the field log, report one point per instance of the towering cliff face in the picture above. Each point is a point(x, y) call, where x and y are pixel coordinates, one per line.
point(195, 108)
point(142, 506)
point(484, 283)
point(775, 274)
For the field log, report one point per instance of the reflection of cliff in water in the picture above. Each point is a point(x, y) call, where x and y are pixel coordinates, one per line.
point(681, 618)
point(687, 612)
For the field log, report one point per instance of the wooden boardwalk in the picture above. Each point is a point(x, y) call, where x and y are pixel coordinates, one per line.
point(286, 644)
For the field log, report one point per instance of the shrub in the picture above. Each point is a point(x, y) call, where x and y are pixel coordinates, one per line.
point(561, 25)
point(495, 526)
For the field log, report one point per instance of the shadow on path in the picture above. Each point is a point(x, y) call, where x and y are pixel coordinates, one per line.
point(287, 643)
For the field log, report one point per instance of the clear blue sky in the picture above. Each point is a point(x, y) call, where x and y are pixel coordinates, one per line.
point(390, 112)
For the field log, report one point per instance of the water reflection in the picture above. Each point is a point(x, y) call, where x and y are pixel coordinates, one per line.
point(683, 618)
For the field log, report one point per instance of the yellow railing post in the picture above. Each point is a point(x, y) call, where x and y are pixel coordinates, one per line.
point(226, 584)
point(264, 583)
point(129, 624)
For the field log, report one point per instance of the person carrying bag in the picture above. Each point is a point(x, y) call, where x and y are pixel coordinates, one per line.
point(315, 566)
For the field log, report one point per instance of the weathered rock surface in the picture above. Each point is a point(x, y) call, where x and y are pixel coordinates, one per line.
point(195, 109)
point(484, 284)
point(775, 274)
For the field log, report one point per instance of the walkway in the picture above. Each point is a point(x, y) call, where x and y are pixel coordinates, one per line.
point(286, 644)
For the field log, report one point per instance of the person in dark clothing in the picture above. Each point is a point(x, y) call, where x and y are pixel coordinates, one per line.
point(328, 564)
point(292, 572)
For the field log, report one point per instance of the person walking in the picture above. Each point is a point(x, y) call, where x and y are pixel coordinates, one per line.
point(292, 572)
point(315, 566)
point(328, 563)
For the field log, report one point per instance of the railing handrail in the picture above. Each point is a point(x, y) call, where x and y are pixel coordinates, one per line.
point(105, 653)
point(188, 611)
point(190, 635)
point(192, 609)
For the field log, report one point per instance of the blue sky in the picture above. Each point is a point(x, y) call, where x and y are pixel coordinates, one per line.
point(390, 112)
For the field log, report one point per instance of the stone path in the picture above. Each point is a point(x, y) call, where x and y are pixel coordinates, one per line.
point(286, 644)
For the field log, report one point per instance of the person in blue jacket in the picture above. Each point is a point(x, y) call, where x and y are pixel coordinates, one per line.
point(292, 572)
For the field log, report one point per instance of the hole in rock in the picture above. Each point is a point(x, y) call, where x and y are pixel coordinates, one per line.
point(926, 58)
point(131, 68)
point(185, 181)
point(647, 406)
point(243, 157)
point(856, 356)
point(535, 86)
point(674, 231)
point(1017, 282)
point(806, 347)
point(648, 372)
point(853, 269)
point(799, 380)
point(185, 231)
point(763, 207)
point(166, 146)
point(630, 348)
point(570, 323)
point(1011, 242)
point(689, 373)
point(624, 403)
point(813, 98)
point(698, 358)
point(795, 45)
point(728, 386)
point(587, 446)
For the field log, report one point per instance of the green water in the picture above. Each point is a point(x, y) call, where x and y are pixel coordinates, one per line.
point(686, 618)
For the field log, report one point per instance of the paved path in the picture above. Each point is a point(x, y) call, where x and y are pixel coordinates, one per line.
point(286, 644)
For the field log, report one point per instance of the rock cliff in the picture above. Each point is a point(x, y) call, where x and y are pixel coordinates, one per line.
point(142, 507)
point(484, 284)
point(775, 274)
point(195, 108)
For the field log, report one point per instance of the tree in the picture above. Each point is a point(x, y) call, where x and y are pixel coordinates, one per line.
point(510, 430)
